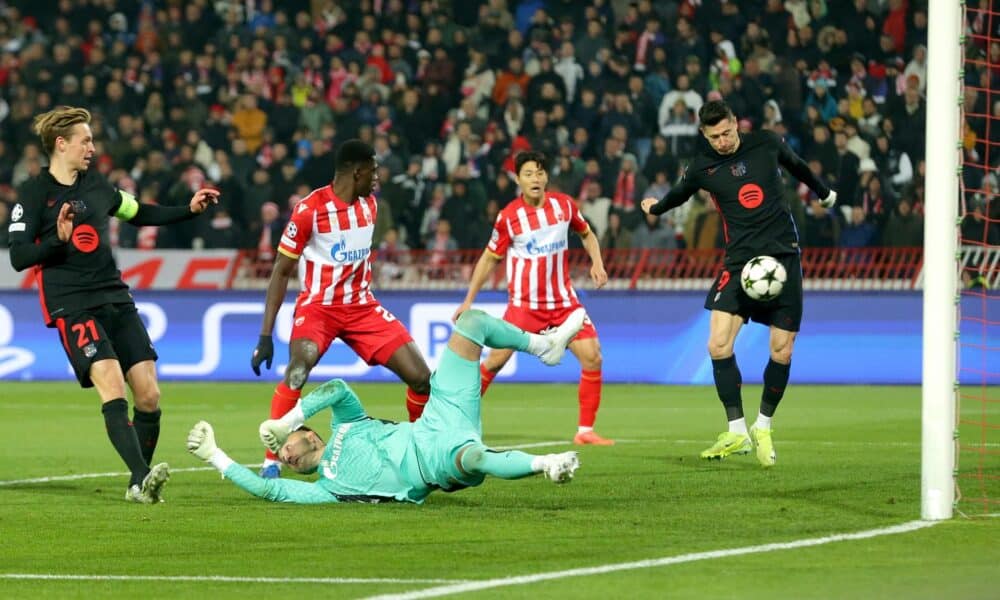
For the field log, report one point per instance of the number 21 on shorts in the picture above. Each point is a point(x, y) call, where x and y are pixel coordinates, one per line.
point(82, 329)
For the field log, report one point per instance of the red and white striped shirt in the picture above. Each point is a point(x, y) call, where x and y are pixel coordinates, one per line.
point(535, 240)
point(334, 240)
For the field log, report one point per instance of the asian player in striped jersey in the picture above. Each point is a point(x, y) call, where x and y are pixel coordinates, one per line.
point(532, 233)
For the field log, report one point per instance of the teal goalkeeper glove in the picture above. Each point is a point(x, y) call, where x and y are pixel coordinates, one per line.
point(273, 433)
point(201, 441)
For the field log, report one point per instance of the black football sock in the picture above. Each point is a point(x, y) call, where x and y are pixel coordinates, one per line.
point(775, 380)
point(147, 429)
point(728, 382)
point(123, 438)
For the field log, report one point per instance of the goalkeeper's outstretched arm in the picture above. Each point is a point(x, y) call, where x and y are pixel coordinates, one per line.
point(201, 443)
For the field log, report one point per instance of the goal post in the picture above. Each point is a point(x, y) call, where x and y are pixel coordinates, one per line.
point(940, 294)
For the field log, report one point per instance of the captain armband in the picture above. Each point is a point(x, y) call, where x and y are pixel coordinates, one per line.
point(129, 206)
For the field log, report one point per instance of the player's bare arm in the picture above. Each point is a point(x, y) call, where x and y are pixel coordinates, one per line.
point(484, 266)
point(597, 273)
point(284, 267)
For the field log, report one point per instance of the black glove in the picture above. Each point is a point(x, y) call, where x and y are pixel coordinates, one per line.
point(263, 351)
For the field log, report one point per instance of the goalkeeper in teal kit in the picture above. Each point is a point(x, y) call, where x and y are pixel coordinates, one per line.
point(370, 460)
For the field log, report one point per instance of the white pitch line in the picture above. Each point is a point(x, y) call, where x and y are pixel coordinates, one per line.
point(95, 476)
point(76, 477)
point(473, 586)
point(56, 478)
point(220, 578)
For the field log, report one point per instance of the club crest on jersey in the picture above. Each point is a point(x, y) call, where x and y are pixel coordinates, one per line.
point(557, 211)
point(342, 254)
point(739, 169)
point(535, 249)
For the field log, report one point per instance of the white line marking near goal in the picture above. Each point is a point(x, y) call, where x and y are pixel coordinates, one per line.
point(220, 578)
point(472, 586)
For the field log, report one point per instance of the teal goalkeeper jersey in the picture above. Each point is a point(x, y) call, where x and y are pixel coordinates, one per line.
point(365, 460)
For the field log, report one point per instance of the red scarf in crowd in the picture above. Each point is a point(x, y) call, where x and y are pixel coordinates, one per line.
point(625, 191)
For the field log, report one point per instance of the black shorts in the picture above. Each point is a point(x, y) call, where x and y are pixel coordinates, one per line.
point(112, 331)
point(784, 312)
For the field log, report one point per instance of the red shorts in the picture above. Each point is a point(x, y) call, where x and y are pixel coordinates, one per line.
point(536, 321)
point(370, 330)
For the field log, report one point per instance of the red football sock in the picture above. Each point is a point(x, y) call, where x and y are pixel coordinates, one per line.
point(486, 376)
point(589, 396)
point(283, 400)
point(415, 404)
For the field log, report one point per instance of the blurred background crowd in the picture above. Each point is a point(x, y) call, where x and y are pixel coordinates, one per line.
point(253, 97)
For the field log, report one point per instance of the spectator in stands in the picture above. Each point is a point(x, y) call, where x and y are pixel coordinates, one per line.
point(616, 236)
point(596, 73)
point(975, 226)
point(905, 229)
point(654, 233)
point(859, 232)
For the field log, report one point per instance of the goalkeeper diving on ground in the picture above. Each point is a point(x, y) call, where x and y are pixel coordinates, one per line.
point(371, 460)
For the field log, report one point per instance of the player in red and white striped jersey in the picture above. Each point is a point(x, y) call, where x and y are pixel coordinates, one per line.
point(329, 239)
point(532, 232)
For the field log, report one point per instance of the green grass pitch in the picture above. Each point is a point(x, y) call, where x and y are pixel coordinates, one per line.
point(848, 461)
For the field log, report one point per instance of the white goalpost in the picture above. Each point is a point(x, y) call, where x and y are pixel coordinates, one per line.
point(940, 294)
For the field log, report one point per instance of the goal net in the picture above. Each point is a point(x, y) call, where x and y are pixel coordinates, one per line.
point(978, 410)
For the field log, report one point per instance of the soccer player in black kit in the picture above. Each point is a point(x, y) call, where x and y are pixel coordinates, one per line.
point(742, 174)
point(59, 227)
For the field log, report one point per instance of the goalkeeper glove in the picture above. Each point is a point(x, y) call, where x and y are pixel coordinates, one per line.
point(827, 202)
point(201, 441)
point(273, 433)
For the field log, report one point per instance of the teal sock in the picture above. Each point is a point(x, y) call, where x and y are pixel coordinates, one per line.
point(491, 332)
point(511, 464)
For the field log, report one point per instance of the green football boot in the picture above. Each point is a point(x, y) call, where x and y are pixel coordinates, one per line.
point(764, 446)
point(729, 442)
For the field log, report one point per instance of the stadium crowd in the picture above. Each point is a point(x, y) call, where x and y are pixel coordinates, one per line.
point(254, 96)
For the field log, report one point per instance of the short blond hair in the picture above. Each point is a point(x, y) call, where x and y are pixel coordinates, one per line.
point(58, 122)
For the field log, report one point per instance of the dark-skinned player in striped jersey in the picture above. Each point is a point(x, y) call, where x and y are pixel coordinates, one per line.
point(742, 173)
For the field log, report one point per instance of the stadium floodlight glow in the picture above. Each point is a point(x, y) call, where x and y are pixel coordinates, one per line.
point(940, 295)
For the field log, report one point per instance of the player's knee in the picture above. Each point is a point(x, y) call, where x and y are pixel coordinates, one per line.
point(472, 458)
point(470, 319)
point(719, 349)
point(782, 354)
point(296, 376)
point(593, 361)
point(148, 400)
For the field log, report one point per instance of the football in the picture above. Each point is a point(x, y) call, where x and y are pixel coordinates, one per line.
point(763, 277)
